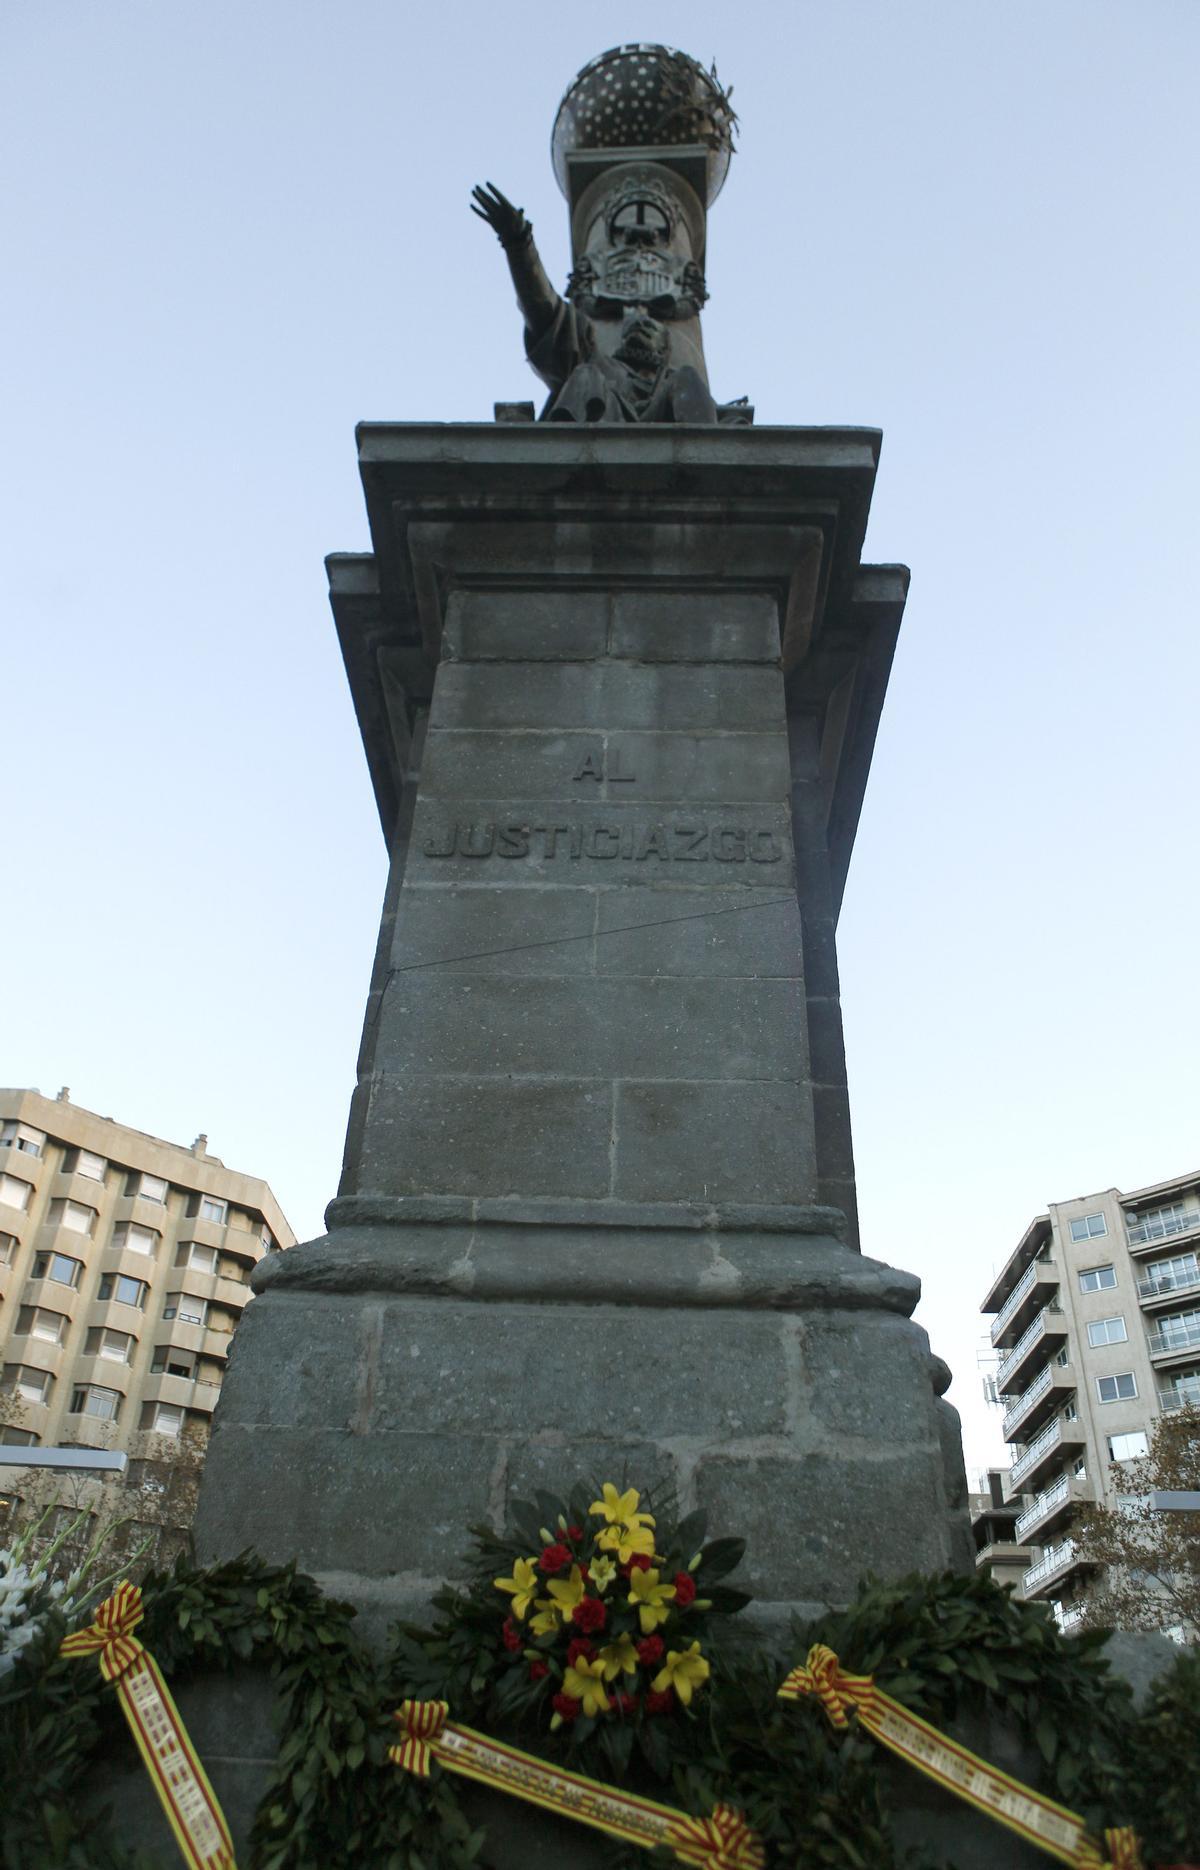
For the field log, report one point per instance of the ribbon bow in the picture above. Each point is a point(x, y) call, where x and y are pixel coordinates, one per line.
point(1121, 1848)
point(821, 1675)
point(420, 1724)
point(722, 1841)
point(111, 1634)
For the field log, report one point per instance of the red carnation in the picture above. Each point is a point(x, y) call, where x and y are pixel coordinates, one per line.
point(627, 1703)
point(685, 1589)
point(512, 1636)
point(537, 1670)
point(660, 1703)
point(580, 1647)
point(641, 1561)
point(554, 1557)
point(589, 1614)
point(650, 1650)
point(575, 1534)
point(566, 1705)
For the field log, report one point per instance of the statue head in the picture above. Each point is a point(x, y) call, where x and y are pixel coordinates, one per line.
point(644, 343)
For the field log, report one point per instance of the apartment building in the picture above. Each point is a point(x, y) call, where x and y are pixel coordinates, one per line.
point(124, 1267)
point(1096, 1321)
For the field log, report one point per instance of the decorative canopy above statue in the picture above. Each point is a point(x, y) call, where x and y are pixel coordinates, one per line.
point(641, 147)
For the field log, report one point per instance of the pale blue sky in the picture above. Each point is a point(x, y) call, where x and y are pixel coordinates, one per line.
point(233, 230)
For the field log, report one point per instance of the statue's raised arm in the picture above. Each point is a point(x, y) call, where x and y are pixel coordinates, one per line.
point(538, 300)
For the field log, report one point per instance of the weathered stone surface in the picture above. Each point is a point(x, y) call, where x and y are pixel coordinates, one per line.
point(462, 1136)
point(609, 695)
point(697, 769)
point(686, 932)
point(673, 626)
point(526, 625)
point(867, 1379)
point(719, 1141)
point(487, 929)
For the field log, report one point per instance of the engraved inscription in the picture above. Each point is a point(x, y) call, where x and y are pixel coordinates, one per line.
point(628, 842)
point(599, 765)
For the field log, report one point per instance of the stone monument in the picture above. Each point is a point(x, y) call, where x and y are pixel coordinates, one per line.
point(618, 673)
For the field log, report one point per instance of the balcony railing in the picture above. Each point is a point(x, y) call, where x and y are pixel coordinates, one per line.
point(1180, 1395)
point(1153, 1285)
point(1162, 1227)
point(1054, 1560)
point(1025, 1343)
point(1040, 1445)
point(1021, 1290)
point(1180, 1337)
point(1071, 1618)
point(1041, 1383)
point(1042, 1505)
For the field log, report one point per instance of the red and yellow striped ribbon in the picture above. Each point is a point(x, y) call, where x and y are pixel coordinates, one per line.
point(1039, 1820)
point(179, 1779)
point(722, 1841)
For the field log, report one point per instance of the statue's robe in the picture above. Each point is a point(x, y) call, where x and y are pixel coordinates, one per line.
point(587, 384)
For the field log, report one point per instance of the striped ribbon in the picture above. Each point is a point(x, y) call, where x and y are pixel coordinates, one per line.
point(722, 1841)
point(195, 1817)
point(1039, 1820)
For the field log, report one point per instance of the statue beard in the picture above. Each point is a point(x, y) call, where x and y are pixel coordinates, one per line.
point(641, 352)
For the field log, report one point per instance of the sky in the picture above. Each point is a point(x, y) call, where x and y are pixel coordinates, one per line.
point(233, 231)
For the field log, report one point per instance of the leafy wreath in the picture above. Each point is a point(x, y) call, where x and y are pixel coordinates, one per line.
point(944, 1646)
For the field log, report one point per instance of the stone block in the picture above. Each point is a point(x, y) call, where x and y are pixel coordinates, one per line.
point(866, 1378)
point(816, 1523)
point(610, 696)
point(488, 929)
point(511, 1370)
point(701, 769)
point(525, 626)
point(700, 933)
point(556, 1461)
point(682, 626)
point(723, 1142)
point(826, 1044)
point(316, 1383)
point(831, 1123)
point(431, 1135)
point(624, 1027)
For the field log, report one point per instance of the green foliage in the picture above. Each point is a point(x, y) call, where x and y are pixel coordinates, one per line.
point(949, 1647)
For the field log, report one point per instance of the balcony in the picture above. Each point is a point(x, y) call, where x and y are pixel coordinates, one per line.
point(1175, 1339)
point(53, 1295)
point(234, 1293)
point(105, 1371)
point(1070, 1618)
point(181, 1392)
point(1031, 1291)
point(1161, 1288)
point(1043, 1396)
point(1183, 1394)
point(1048, 1328)
point(1143, 1235)
point(27, 1348)
point(1055, 1565)
point(1046, 1447)
point(1003, 1552)
point(1053, 1507)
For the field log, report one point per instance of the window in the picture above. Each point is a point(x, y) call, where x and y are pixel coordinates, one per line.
point(123, 1290)
point(134, 1239)
point(115, 1345)
point(57, 1266)
point(1182, 1269)
point(8, 1248)
point(183, 1306)
point(73, 1216)
point(170, 1362)
point(213, 1210)
point(1179, 1329)
point(1155, 1223)
point(1097, 1279)
point(1129, 1447)
point(15, 1193)
point(166, 1420)
point(93, 1166)
point(1107, 1331)
point(18, 1438)
point(1089, 1227)
point(15, 1135)
point(266, 1240)
point(1080, 1469)
point(31, 1384)
point(35, 1322)
point(1116, 1389)
point(92, 1399)
point(1063, 1358)
point(191, 1253)
point(149, 1187)
point(1070, 1413)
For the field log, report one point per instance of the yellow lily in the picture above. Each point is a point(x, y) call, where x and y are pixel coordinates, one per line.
point(584, 1681)
point(566, 1593)
point(620, 1507)
point(684, 1670)
point(603, 1571)
point(546, 1619)
point(626, 1540)
point(618, 1656)
point(521, 1586)
point(653, 1599)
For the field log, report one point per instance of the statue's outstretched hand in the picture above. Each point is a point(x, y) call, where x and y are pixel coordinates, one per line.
point(507, 223)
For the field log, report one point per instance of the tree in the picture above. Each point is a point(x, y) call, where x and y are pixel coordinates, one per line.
point(1151, 1558)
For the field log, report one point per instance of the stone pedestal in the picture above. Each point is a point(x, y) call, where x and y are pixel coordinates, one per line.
point(618, 690)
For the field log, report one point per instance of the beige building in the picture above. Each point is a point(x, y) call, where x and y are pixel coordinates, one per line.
point(1097, 1327)
point(124, 1267)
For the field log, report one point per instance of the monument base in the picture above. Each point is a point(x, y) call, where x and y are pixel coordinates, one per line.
point(431, 1359)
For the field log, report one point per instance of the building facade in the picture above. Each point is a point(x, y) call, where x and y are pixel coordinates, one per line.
point(124, 1267)
point(1096, 1322)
